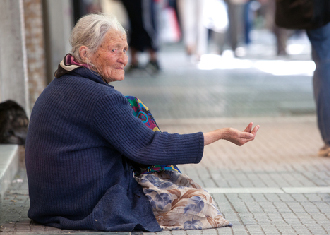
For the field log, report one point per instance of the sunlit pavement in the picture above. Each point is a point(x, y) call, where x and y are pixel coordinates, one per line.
point(274, 185)
point(258, 84)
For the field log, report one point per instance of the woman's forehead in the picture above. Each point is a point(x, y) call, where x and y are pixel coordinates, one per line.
point(115, 35)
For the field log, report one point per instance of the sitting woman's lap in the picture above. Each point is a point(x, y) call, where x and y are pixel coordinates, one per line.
point(177, 201)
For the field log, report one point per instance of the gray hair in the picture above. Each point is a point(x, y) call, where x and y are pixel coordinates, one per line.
point(90, 30)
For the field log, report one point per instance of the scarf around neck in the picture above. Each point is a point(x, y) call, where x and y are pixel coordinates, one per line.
point(68, 64)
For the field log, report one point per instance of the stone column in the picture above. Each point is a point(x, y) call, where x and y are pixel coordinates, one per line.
point(34, 42)
point(13, 62)
point(58, 30)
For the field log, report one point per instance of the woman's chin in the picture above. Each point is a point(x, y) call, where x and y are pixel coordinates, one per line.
point(115, 78)
point(121, 78)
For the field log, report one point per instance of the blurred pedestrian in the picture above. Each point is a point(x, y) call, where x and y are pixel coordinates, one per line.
point(216, 20)
point(281, 34)
point(192, 23)
point(314, 17)
point(248, 21)
point(143, 33)
point(235, 29)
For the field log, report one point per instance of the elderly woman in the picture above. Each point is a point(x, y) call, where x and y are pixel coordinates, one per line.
point(85, 138)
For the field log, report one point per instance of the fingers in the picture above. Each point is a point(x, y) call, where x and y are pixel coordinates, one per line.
point(249, 127)
point(248, 134)
point(255, 130)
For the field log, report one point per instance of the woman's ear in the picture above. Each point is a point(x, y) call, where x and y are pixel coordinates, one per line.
point(83, 53)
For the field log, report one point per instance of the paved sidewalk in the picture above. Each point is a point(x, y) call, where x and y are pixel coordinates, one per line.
point(274, 185)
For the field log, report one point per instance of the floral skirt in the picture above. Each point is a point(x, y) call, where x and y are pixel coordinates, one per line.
point(179, 203)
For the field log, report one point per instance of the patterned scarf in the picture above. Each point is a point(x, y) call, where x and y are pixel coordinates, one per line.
point(68, 64)
point(142, 112)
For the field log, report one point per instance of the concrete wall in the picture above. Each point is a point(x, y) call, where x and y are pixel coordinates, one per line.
point(13, 62)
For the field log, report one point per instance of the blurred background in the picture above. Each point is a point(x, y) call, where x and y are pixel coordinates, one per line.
point(237, 63)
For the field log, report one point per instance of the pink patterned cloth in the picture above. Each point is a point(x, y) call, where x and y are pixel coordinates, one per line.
point(70, 60)
point(68, 64)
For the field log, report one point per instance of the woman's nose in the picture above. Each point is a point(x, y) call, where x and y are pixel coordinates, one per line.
point(123, 58)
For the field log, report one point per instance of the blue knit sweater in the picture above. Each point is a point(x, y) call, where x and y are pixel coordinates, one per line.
point(80, 146)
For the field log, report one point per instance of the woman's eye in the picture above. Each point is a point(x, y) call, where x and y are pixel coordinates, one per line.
point(119, 51)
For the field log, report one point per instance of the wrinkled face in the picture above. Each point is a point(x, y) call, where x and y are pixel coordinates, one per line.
point(111, 56)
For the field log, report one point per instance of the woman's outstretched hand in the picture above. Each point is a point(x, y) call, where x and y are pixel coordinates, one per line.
point(232, 135)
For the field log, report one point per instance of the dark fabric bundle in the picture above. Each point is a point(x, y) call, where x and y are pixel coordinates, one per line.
point(13, 123)
point(302, 14)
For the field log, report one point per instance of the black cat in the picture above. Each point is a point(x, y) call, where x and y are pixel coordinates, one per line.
point(13, 123)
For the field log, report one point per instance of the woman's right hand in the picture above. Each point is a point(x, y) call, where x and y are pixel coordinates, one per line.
point(232, 135)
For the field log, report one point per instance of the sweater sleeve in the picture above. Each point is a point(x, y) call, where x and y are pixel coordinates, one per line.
point(114, 120)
